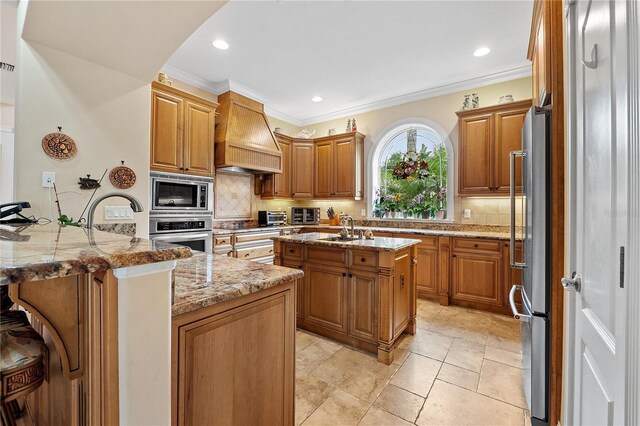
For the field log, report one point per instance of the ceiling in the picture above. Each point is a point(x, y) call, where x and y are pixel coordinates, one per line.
point(355, 55)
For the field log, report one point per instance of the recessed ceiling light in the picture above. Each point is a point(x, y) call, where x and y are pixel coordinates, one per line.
point(316, 99)
point(482, 51)
point(220, 44)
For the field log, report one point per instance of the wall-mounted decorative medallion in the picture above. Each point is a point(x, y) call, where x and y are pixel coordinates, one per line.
point(122, 177)
point(59, 146)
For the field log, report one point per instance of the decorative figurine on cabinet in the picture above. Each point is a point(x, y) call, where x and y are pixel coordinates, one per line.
point(475, 101)
point(348, 126)
point(354, 128)
point(466, 102)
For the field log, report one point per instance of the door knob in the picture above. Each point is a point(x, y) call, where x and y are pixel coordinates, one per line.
point(575, 281)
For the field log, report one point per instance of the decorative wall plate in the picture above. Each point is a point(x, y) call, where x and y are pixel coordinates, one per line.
point(122, 177)
point(59, 146)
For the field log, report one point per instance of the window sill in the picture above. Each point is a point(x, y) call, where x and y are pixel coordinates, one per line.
point(408, 219)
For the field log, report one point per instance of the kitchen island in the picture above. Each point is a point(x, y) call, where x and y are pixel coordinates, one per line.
point(140, 332)
point(360, 292)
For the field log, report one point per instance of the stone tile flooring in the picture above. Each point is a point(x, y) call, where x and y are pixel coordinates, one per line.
point(461, 368)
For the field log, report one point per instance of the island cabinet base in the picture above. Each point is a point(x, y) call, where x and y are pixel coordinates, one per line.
point(234, 362)
point(363, 298)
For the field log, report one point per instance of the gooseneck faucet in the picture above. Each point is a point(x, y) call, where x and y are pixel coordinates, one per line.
point(350, 219)
point(136, 206)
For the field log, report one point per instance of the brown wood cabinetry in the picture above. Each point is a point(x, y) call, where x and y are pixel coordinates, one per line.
point(302, 169)
point(279, 185)
point(486, 136)
point(224, 354)
point(360, 297)
point(182, 129)
point(339, 166)
point(539, 53)
point(326, 296)
point(428, 268)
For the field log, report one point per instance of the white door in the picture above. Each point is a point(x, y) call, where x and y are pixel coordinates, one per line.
point(596, 314)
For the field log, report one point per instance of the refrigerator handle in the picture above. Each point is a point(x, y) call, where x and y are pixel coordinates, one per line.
point(512, 198)
point(525, 303)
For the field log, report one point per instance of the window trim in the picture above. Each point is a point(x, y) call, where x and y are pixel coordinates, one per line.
point(385, 135)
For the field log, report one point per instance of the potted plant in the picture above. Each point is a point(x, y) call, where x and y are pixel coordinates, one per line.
point(441, 213)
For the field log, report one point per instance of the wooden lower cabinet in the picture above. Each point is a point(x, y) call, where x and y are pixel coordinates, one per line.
point(363, 304)
point(326, 296)
point(234, 363)
point(428, 270)
point(476, 278)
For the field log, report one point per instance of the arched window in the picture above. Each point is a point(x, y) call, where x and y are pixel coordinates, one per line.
point(412, 164)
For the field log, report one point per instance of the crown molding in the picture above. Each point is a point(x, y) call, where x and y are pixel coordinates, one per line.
point(218, 88)
point(225, 86)
point(446, 89)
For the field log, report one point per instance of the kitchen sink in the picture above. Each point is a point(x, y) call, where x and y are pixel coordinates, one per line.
point(338, 238)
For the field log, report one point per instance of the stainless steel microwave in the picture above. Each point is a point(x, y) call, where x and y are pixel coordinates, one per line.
point(178, 193)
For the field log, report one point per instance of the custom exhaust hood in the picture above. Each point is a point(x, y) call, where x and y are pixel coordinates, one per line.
point(243, 137)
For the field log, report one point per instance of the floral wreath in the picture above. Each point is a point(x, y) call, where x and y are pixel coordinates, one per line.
point(409, 169)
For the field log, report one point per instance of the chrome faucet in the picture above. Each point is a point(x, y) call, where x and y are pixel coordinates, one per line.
point(136, 206)
point(353, 234)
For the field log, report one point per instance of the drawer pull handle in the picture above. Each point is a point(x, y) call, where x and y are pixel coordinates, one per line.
point(350, 275)
point(362, 259)
point(270, 251)
point(291, 250)
point(246, 255)
point(344, 274)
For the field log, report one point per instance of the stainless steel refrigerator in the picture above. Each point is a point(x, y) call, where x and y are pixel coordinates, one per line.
point(534, 309)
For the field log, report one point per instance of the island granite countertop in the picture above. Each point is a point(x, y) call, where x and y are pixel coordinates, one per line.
point(207, 279)
point(40, 252)
point(375, 244)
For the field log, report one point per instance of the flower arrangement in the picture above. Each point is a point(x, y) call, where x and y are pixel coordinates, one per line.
point(410, 169)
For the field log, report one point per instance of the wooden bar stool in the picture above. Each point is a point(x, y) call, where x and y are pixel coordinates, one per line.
point(23, 357)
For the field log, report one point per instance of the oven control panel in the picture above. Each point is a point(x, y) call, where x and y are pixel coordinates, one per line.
point(186, 225)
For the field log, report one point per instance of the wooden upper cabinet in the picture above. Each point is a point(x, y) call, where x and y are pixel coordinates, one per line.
point(539, 52)
point(508, 137)
point(167, 121)
point(486, 137)
point(198, 139)
point(279, 185)
point(302, 169)
point(339, 166)
point(476, 134)
point(182, 131)
point(323, 169)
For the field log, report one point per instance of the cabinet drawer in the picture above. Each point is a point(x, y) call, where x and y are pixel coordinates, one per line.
point(254, 252)
point(223, 249)
point(292, 251)
point(326, 255)
point(245, 238)
point(476, 245)
point(222, 240)
point(364, 259)
point(427, 241)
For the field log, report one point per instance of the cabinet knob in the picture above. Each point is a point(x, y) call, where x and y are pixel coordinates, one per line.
point(475, 245)
point(291, 250)
point(181, 168)
point(350, 275)
point(300, 267)
point(454, 255)
point(344, 274)
point(362, 259)
point(247, 255)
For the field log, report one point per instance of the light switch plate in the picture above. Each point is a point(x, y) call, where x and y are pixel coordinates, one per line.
point(467, 213)
point(118, 213)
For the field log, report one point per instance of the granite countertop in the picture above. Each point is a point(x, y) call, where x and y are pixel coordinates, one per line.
point(376, 244)
point(222, 231)
point(39, 252)
point(206, 280)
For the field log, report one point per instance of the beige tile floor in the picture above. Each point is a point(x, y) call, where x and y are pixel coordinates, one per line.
point(460, 368)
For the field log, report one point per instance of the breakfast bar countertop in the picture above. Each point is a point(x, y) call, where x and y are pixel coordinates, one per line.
point(205, 280)
point(41, 252)
point(375, 244)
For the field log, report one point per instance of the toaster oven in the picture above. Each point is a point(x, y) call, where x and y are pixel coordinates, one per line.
point(305, 215)
point(272, 217)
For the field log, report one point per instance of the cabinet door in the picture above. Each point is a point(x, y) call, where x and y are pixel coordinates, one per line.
point(167, 120)
point(427, 271)
point(539, 54)
point(282, 181)
point(302, 166)
point(475, 136)
point(326, 298)
point(476, 278)
point(198, 138)
point(247, 350)
point(363, 303)
point(323, 170)
point(508, 137)
point(344, 153)
point(401, 291)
